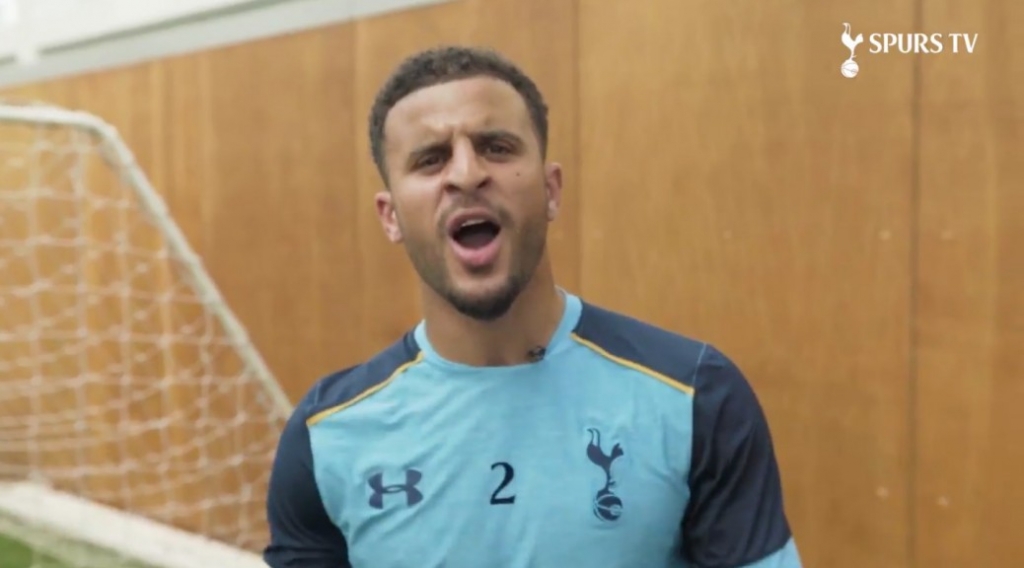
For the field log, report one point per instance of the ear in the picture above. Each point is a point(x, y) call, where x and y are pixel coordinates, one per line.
point(388, 216)
point(553, 183)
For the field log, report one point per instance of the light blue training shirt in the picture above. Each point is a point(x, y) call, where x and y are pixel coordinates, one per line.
point(624, 446)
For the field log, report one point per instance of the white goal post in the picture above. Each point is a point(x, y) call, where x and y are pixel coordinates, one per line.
point(136, 415)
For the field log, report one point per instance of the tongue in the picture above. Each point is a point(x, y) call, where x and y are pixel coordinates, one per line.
point(476, 236)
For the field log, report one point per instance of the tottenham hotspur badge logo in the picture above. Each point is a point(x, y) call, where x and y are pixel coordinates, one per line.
point(607, 505)
point(849, 68)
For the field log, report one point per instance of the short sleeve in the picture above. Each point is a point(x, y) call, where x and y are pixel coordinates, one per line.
point(301, 533)
point(735, 516)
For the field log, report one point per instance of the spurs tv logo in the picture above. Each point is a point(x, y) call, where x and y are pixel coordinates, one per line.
point(412, 494)
point(916, 43)
point(607, 505)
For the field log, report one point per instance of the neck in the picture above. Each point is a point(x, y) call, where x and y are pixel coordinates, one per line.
point(529, 323)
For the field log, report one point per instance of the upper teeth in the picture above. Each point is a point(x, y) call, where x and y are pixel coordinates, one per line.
point(472, 222)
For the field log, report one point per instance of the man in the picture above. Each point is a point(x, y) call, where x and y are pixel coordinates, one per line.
point(517, 425)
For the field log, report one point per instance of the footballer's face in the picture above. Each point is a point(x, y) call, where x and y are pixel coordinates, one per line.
point(470, 196)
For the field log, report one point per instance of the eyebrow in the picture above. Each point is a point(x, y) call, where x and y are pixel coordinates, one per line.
point(483, 136)
point(499, 134)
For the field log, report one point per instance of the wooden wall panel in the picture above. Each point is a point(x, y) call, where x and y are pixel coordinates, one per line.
point(540, 36)
point(279, 201)
point(970, 278)
point(739, 190)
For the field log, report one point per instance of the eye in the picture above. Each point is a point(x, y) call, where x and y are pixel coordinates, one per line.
point(429, 161)
point(498, 148)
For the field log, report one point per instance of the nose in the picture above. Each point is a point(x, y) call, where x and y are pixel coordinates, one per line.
point(466, 171)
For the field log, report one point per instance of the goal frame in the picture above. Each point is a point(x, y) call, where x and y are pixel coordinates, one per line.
point(92, 523)
point(155, 206)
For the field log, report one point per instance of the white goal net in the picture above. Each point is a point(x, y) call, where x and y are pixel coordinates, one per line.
point(137, 421)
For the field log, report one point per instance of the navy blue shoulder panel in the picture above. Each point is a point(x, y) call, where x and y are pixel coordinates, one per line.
point(735, 515)
point(341, 387)
point(664, 352)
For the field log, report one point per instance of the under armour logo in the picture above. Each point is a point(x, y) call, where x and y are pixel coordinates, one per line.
point(412, 495)
point(607, 505)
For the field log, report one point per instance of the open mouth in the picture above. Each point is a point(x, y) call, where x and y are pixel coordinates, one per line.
point(476, 233)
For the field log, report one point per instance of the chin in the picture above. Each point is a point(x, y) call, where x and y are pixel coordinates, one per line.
point(484, 301)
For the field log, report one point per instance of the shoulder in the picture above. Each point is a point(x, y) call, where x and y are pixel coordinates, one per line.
point(668, 355)
point(735, 515)
point(345, 387)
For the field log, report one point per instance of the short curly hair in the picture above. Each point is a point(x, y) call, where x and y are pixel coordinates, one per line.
point(450, 63)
